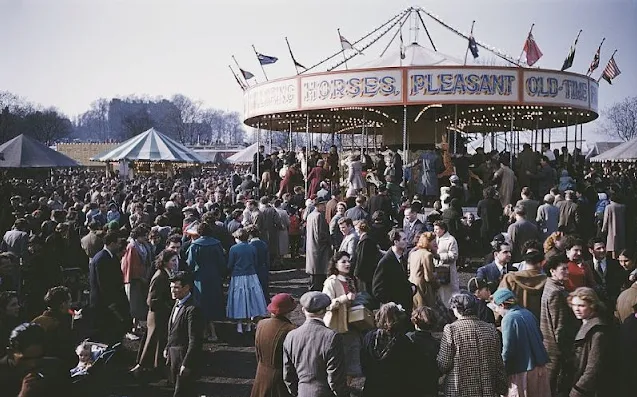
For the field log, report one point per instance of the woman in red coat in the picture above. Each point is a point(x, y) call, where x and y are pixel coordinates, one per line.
point(316, 176)
point(287, 183)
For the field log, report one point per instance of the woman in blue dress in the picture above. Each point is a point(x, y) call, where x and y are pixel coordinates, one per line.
point(245, 296)
point(206, 262)
point(263, 259)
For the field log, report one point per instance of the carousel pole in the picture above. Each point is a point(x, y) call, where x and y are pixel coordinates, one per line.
point(404, 143)
point(455, 130)
point(307, 150)
point(566, 136)
point(511, 154)
point(258, 145)
point(290, 137)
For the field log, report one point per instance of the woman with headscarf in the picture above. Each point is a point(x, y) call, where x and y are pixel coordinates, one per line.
point(268, 342)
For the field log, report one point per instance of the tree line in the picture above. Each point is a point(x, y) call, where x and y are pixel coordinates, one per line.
point(117, 119)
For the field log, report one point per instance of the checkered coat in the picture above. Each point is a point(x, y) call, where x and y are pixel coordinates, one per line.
point(470, 357)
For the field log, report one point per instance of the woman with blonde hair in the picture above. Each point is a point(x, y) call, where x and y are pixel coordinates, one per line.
point(593, 359)
point(553, 244)
point(422, 271)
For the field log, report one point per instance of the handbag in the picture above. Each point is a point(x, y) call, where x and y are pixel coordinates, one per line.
point(443, 274)
point(360, 317)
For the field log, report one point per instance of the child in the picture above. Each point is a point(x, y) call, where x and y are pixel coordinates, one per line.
point(85, 356)
point(294, 231)
point(480, 289)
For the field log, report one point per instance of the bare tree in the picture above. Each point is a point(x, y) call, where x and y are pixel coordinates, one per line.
point(136, 123)
point(186, 127)
point(621, 119)
point(47, 126)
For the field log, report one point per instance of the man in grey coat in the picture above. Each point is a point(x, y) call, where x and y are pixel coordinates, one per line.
point(313, 355)
point(520, 232)
point(318, 246)
point(547, 217)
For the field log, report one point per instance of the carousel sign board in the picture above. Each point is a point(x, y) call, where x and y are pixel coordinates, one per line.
point(560, 89)
point(272, 97)
point(462, 85)
point(371, 87)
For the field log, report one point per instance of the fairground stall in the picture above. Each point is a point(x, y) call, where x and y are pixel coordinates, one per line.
point(414, 96)
point(150, 152)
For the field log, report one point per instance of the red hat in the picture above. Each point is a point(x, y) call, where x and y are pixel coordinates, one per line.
point(281, 304)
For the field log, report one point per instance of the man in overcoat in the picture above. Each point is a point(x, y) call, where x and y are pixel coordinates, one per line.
point(313, 355)
point(317, 246)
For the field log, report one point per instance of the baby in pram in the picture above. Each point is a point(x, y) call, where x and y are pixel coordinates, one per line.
point(86, 359)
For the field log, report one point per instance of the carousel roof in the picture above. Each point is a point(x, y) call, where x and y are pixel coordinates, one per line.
point(626, 152)
point(415, 55)
point(151, 145)
point(25, 152)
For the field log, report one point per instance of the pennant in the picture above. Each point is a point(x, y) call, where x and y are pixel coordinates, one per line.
point(266, 59)
point(238, 81)
point(345, 44)
point(533, 53)
point(611, 70)
point(595, 62)
point(298, 65)
point(568, 62)
point(246, 75)
point(473, 47)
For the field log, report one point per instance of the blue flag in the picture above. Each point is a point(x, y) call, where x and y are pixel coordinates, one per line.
point(265, 59)
point(473, 47)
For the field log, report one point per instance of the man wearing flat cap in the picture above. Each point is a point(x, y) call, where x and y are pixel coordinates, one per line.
point(313, 355)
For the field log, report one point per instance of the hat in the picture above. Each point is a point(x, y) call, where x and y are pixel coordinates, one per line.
point(454, 178)
point(188, 209)
point(502, 295)
point(170, 204)
point(16, 198)
point(476, 284)
point(281, 304)
point(320, 200)
point(315, 301)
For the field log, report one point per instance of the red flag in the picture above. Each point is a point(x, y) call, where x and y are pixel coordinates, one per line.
point(533, 53)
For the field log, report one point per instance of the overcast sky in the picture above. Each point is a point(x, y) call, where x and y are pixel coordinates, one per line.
point(67, 53)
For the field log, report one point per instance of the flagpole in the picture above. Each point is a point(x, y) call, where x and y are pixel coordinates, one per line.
point(610, 59)
point(342, 48)
point(527, 38)
point(466, 53)
point(237, 78)
point(590, 72)
point(262, 68)
point(244, 77)
point(292, 56)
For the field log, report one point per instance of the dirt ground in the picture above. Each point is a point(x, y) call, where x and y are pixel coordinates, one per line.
point(230, 364)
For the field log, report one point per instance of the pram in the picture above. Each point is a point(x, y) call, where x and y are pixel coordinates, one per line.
point(96, 376)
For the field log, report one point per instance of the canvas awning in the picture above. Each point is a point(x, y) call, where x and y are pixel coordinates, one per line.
point(25, 152)
point(244, 156)
point(151, 145)
point(626, 152)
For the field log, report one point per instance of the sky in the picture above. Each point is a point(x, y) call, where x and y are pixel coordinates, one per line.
point(68, 53)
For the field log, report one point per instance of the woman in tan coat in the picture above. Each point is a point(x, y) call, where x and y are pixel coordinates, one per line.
point(422, 271)
point(269, 339)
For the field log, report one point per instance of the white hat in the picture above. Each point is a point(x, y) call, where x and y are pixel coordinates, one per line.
point(170, 204)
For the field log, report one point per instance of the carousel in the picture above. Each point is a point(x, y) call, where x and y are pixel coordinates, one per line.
point(415, 96)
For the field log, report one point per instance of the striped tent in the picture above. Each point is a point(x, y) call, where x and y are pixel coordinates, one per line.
point(151, 145)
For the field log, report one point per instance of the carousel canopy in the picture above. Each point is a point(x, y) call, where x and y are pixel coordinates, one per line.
point(415, 55)
point(151, 145)
point(25, 152)
point(626, 152)
point(244, 156)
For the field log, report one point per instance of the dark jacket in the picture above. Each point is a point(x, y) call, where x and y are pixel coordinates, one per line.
point(242, 260)
point(491, 274)
point(390, 282)
point(426, 348)
point(268, 381)
point(594, 360)
point(367, 257)
point(185, 336)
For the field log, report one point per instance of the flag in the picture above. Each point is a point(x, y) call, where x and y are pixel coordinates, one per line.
point(345, 43)
point(238, 81)
point(246, 75)
point(595, 62)
point(266, 59)
point(533, 53)
point(473, 47)
point(402, 45)
point(611, 70)
point(568, 62)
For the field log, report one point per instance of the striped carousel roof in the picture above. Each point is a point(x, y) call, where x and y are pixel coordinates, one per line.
point(150, 145)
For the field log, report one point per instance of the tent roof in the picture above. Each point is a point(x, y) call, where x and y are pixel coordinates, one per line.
point(627, 151)
point(151, 145)
point(25, 152)
point(218, 158)
point(415, 55)
point(244, 156)
point(601, 147)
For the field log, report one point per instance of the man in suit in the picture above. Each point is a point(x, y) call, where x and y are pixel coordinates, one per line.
point(174, 243)
point(185, 336)
point(390, 282)
point(313, 355)
point(413, 227)
point(380, 201)
point(108, 301)
point(16, 239)
point(357, 213)
point(318, 246)
point(608, 273)
point(501, 265)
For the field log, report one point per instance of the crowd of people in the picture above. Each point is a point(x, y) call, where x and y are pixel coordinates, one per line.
point(165, 260)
